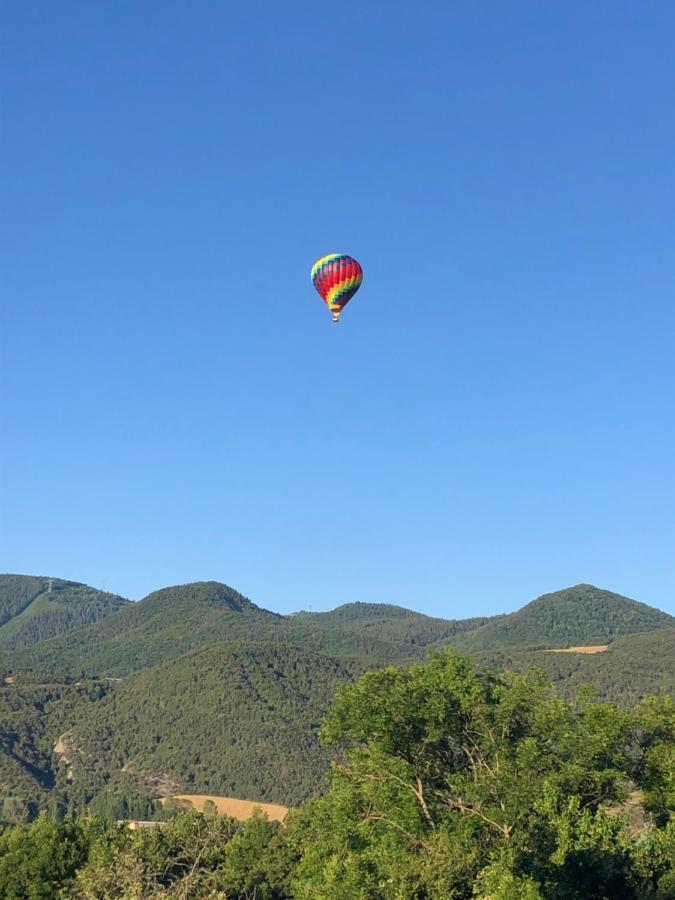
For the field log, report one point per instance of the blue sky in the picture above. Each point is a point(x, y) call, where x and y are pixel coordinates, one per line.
point(492, 418)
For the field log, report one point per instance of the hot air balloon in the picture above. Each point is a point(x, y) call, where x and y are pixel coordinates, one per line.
point(336, 277)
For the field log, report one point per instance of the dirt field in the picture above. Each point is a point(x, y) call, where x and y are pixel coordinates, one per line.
point(597, 648)
point(238, 809)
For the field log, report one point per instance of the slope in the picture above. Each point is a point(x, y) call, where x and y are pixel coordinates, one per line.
point(576, 615)
point(633, 666)
point(235, 719)
point(33, 609)
point(31, 715)
point(163, 626)
point(378, 632)
point(178, 619)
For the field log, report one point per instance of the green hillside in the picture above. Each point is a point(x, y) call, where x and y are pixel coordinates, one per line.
point(376, 631)
point(576, 615)
point(178, 619)
point(235, 719)
point(196, 689)
point(32, 714)
point(161, 627)
point(35, 609)
point(445, 783)
point(634, 666)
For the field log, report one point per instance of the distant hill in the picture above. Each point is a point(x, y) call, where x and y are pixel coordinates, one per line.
point(233, 719)
point(196, 690)
point(634, 666)
point(175, 620)
point(163, 626)
point(378, 632)
point(33, 609)
point(576, 615)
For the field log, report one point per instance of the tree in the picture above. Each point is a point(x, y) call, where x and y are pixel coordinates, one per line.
point(37, 859)
point(446, 774)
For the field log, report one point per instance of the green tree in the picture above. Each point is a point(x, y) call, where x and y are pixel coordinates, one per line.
point(245, 871)
point(446, 774)
point(38, 859)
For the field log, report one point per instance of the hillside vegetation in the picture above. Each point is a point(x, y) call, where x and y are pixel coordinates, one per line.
point(32, 715)
point(35, 609)
point(446, 783)
point(176, 620)
point(233, 719)
point(197, 690)
point(376, 631)
point(632, 667)
point(163, 626)
point(581, 614)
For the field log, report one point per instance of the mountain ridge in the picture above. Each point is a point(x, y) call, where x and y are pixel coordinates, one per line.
point(577, 614)
point(35, 608)
point(180, 618)
point(196, 688)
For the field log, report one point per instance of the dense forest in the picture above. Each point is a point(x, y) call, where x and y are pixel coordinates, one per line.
point(34, 609)
point(197, 690)
point(632, 666)
point(173, 621)
point(577, 615)
point(176, 620)
point(447, 783)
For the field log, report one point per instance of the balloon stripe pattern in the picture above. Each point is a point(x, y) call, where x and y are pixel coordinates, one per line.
point(336, 277)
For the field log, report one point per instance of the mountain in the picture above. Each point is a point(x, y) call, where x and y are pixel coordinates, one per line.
point(33, 609)
point(163, 626)
point(175, 620)
point(376, 631)
point(576, 615)
point(633, 666)
point(195, 689)
point(233, 719)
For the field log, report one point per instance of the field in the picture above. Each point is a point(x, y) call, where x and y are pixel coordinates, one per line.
point(230, 806)
point(594, 648)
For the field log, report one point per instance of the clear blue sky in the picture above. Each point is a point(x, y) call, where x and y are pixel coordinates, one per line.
point(492, 418)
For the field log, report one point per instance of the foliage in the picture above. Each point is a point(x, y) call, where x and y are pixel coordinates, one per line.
point(448, 783)
point(37, 859)
point(576, 615)
point(502, 785)
point(196, 689)
point(633, 667)
point(656, 719)
point(125, 805)
point(35, 609)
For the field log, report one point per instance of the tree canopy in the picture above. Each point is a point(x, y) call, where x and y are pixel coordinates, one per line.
point(446, 783)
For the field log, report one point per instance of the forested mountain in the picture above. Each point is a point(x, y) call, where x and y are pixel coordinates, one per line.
point(632, 667)
point(196, 689)
point(235, 719)
point(163, 626)
point(175, 620)
point(34, 609)
point(377, 631)
point(576, 615)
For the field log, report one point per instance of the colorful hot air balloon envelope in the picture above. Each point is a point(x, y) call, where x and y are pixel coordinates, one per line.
point(336, 277)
